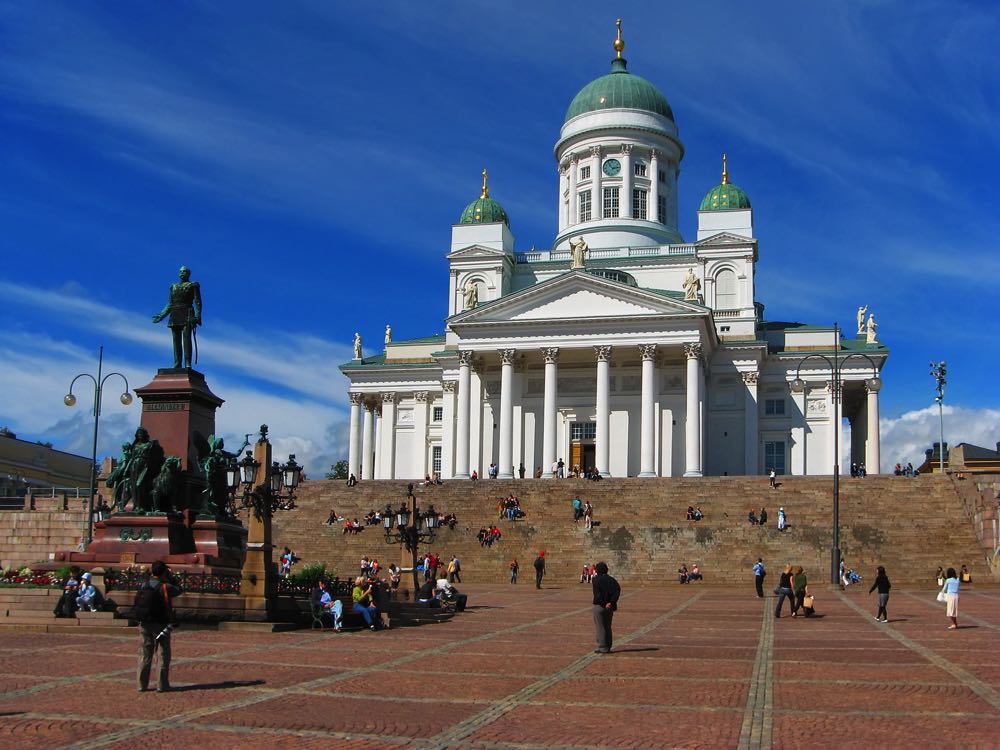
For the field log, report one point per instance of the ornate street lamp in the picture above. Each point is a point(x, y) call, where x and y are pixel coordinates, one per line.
point(798, 385)
point(275, 492)
point(70, 400)
point(939, 371)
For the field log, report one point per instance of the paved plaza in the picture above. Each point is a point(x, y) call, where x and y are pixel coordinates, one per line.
point(693, 666)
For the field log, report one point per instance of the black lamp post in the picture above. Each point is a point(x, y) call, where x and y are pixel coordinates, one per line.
point(70, 400)
point(798, 386)
point(276, 492)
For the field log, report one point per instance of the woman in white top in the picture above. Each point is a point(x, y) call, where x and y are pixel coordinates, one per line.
point(950, 592)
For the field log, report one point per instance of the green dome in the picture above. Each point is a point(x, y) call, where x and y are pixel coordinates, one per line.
point(619, 89)
point(723, 197)
point(483, 211)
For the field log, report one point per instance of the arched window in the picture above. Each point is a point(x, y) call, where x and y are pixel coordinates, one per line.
point(725, 290)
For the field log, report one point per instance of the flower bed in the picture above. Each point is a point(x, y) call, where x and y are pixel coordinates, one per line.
point(27, 578)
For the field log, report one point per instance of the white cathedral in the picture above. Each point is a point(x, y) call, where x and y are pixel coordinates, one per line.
point(623, 348)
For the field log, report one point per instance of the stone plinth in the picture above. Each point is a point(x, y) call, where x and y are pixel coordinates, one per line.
point(184, 542)
point(177, 409)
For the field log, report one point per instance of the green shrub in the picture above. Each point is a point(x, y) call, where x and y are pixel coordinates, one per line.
point(309, 575)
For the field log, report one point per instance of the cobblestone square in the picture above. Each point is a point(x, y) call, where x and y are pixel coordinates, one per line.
point(693, 666)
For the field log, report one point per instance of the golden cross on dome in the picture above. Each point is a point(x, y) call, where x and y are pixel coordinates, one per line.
point(486, 190)
point(619, 42)
point(725, 171)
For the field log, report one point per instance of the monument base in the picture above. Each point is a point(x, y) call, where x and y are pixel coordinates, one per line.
point(183, 541)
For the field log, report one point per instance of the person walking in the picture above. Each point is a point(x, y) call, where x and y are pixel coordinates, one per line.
point(513, 570)
point(154, 610)
point(798, 589)
point(758, 577)
point(784, 590)
point(539, 569)
point(606, 593)
point(782, 522)
point(882, 584)
point(771, 476)
point(950, 593)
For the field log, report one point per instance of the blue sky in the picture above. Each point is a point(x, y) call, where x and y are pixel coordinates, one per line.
point(307, 160)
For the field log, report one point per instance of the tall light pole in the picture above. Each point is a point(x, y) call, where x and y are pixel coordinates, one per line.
point(798, 385)
point(70, 400)
point(939, 371)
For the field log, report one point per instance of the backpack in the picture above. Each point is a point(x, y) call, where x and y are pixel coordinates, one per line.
point(150, 606)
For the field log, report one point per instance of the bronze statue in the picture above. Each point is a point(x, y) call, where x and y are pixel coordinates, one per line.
point(145, 465)
point(184, 308)
point(214, 462)
point(118, 480)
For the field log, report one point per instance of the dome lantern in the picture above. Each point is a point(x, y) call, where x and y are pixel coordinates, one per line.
point(725, 196)
point(485, 210)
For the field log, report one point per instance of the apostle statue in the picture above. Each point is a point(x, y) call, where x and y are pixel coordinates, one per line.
point(692, 286)
point(471, 294)
point(184, 308)
point(870, 330)
point(579, 249)
point(388, 334)
point(357, 345)
point(861, 319)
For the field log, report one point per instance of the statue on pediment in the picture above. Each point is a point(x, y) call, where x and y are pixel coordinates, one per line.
point(870, 330)
point(692, 286)
point(579, 249)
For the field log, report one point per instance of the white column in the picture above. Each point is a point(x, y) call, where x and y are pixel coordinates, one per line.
point(596, 199)
point(574, 200)
point(549, 401)
point(751, 436)
point(354, 437)
point(654, 185)
point(602, 449)
point(420, 420)
point(367, 459)
point(692, 418)
point(388, 436)
point(799, 433)
point(506, 460)
point(377, 441)
point(873, 447)
point(464, 402)
point(647, 417)
point(478, 461)
point(448, 428)
point(626, 204)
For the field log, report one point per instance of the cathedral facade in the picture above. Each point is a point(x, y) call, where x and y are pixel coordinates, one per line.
point(622, 349)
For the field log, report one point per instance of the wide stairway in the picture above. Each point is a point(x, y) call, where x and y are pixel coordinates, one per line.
point(909, 525)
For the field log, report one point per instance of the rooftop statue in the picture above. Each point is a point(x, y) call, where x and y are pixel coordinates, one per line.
point(388, 334)
point(871, 328)
point(184, 308)
point(579, 249)
point(692, 286)
point(861, 319)
point(471, 294)
point(357, 345)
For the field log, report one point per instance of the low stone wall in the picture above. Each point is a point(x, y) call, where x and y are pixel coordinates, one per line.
point(46, 524)
point(981, 495)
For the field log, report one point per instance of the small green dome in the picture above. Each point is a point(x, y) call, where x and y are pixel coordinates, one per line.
point(484, 210)
point(725, 195)
point(619, 89)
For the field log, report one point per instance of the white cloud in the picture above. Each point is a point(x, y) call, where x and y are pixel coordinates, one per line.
point(905, 438)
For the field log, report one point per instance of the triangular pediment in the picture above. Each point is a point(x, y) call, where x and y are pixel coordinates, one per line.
point(579, 295)
point(473, 252)
point(726, 238)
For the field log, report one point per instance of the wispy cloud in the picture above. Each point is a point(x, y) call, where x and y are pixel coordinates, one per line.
point(905, 438)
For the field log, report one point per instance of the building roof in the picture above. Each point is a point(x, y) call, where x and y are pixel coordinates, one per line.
point(484, 210)
point(725, 196)
point(619, 89)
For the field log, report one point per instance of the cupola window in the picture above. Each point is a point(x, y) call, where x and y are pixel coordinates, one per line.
point(725, 290)
point(639, 203)
point(610, 203)
point(585, 210)
point(661, 209)
point(640, 169)
point(585, 172)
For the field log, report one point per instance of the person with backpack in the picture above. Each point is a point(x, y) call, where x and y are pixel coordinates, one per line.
point(154, 610)
point(539, 569)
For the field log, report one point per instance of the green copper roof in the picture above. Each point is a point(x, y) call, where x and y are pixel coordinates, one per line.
point(723, 197)
point(619, 89)
point(483, 211)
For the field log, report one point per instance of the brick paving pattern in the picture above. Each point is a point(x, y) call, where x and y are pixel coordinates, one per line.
point(693, 666)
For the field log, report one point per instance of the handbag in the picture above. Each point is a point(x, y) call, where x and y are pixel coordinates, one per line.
point(808, 601)
point(941, 597)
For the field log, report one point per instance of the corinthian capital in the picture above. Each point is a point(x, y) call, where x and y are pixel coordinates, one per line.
point(692, 351)
point(551, 354)
point(356, 398)
point(507, 356)
point(603, 353)
point(750, 378)
point(648, 352)
point(465, 358)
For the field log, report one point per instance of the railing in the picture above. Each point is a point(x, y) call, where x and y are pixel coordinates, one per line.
point(192, 583)
point(603, 253)
point(293, 588)
point(726, 313)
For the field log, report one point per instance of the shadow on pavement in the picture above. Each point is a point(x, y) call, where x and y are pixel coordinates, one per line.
point(228, 684)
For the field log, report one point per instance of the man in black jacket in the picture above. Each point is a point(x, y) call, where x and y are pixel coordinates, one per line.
point(539, 569)
point(155, 622)
point(606, 593)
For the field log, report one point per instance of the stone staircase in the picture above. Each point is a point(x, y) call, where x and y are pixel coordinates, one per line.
point(909, 525)
point(29, 609)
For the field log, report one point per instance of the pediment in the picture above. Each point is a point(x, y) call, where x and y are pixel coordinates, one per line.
point(473, 252)
point(726, 238)
point(578, 295)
